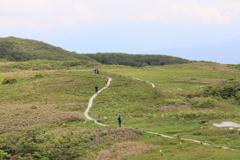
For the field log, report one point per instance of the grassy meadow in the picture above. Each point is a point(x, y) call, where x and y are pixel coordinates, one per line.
point(42, 113)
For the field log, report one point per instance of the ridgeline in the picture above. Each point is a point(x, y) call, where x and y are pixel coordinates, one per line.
point(19, 50)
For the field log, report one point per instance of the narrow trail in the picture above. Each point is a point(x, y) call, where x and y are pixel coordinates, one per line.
point(91, 102)
point(166, 136)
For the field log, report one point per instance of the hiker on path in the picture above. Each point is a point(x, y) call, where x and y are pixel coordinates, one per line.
point(96, 89)
point(95, 70)
point(106, 81)
point(119, 120)
point(98, 71)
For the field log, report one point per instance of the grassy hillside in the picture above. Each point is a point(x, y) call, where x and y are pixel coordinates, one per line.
point(41, 113)
point(17, 49)
point(176, 105)
point(136, 60)
point(45, 65)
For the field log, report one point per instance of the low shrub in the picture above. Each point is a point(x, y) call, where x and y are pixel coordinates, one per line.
point(104, 132)
point(9, 80)
point(176, 102)
point(226, 89)
point(33, 107)
point(202, 114)
point(4, 155)
point(199, 102)
point(38, 75)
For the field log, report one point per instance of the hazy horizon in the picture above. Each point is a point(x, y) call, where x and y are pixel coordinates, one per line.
point(123, 26)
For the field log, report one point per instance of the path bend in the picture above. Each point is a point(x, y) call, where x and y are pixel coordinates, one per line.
point(91, 102)
point(166, 136)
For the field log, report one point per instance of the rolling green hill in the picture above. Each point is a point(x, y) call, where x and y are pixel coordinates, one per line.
point(41, 112)
point(42, 104)
point(18, 49)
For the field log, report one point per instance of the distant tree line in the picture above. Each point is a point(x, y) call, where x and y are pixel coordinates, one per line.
point(136, 60)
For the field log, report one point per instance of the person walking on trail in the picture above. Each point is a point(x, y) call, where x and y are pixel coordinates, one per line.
point(98, 71)
point(119, 120)
point(106, 81)
point(95, 70)
point(96, 89)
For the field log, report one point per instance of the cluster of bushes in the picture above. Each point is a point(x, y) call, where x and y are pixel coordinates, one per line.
point(12, 79)
point(9, 80)
point(226, 90)
point(199, 102)
point(176, 102)
point(202, 114)
point(196, 102)
point(37, 144)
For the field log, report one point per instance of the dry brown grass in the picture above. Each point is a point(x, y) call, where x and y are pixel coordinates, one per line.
point(5, 63)
point(28, 74)
point(173, 108)
point(18, 117)
point(71, 106)
point(110, 134)
point(205, 66)
point(198, 80)
point(123, 150)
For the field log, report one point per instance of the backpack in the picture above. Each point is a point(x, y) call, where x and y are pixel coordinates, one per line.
point(120, 118)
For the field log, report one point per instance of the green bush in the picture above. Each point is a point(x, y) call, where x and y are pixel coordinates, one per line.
point(176, 101)
point(202, 102)
point(38, 75)
point(227, 89)
point(9, 80)
point(4, 155)
point(104, 132)
point(202, 114)
point(33, 107)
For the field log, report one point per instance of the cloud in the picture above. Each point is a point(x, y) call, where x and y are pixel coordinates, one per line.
point(56, 13)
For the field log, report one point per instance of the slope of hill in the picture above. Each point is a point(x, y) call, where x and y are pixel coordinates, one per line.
point(17, 49)
point(136, 60)
point(42, 113)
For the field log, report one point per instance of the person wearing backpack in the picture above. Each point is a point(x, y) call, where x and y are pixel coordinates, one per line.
point(96, 89)
point(119, 120)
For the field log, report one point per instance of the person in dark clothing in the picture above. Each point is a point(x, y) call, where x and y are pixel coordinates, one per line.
point(96, 89)
point(119, 120)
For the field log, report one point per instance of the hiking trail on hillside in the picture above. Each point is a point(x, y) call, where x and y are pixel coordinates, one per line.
point(91, 102)
point(166, 136)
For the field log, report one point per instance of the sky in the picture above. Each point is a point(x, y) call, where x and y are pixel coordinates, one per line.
point(128, 26)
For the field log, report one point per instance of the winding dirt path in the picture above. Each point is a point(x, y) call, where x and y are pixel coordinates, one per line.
point(91, 102)
point(166, 136)
point(145, 81)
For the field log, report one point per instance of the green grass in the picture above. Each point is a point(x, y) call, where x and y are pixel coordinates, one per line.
point(164, 76)
point(62, 92)
point(142, 109)
point(53, 101)
point(177, 149)
point(45, 65)
point(18, 49)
